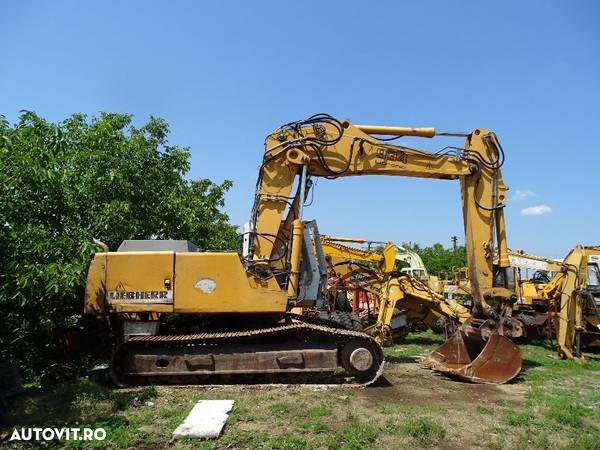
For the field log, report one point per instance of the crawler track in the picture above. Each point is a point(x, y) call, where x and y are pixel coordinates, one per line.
point(298, 352)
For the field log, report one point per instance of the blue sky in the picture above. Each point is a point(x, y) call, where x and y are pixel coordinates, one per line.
point(224, 74)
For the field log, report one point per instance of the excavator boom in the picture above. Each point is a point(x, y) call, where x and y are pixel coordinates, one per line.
point(322, 146)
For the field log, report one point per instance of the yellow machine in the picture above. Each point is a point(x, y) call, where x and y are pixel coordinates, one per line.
point(336, 246)
point(459, 287)
point(529, 288)
point(354, 280)
point(531, 307)
point(404, 260)
point(405, 296)
point(348, 266)
point(401, 297)
point(574, 296)
point(238, 306)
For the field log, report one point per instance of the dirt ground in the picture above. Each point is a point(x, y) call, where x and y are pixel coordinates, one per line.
point(409, 384)
point(405, 392)
point(553, 404)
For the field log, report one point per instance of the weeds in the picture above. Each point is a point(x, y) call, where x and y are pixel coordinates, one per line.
point(320, 427)
point(565, 408)
point(286, 442)
point(354, 437)
point(518, 419)
point(319, 411)
point(280, 408)
point(484, 410)
point(425, 430)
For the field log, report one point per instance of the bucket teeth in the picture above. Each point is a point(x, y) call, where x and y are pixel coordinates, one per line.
point(496, 360)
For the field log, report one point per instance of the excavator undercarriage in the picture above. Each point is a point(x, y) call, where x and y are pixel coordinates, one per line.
point(294, 350)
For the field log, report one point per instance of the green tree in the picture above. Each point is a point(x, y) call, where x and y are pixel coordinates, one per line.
point(441, 261)
point(62, 184)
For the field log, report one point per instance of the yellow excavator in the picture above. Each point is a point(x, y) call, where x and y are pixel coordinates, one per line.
point(529, 287)
point(400, 295)
point(573, 294)
point(531, 307)
point(355, 274)
point(458, 287)
point(235, 308)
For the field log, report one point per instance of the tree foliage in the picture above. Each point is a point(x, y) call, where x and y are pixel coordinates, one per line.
point(441, 261)
point(61, 185)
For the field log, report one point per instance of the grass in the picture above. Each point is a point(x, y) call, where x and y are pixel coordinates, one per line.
point(517, 419)
point(554, 404)
point(280, 408)
point(287, 442)
point(320, 427)
point(354, 436)
point(319, 411)
point(425, 430)
point(412, 346)
point(561, 407)
point(484, 409)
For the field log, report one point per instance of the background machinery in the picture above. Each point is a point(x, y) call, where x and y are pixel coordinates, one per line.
point(458, 287)
point(530, 275)
point(386, 313)
point(573, 295)
point(235, 309)
point(355, 276)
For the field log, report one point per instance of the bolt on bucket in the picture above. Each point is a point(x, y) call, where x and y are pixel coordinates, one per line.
point(496, 360)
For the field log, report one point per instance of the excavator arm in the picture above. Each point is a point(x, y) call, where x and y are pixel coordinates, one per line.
point(419, 302)
point(334, 246)
point(322, 146)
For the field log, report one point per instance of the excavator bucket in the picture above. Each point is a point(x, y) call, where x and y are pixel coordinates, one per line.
point(496, 360)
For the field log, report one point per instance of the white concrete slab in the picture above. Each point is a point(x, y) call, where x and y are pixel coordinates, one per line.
point(206, 419)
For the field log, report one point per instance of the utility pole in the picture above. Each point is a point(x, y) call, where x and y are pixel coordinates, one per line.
point(454, 240)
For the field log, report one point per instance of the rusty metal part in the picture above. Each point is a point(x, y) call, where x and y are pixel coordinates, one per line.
point(288, 349)
point(235, 359)
point(496, 360)
point(535, 324)
point(360, 359)
point(590, 340)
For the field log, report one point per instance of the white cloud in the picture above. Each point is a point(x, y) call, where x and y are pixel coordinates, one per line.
point(537, 210)
point(522, 195)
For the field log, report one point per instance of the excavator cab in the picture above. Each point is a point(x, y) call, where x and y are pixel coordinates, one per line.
point(593, 277)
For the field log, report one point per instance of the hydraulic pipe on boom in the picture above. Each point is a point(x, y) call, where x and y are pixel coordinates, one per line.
point(397, 131)
point(332, 148)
